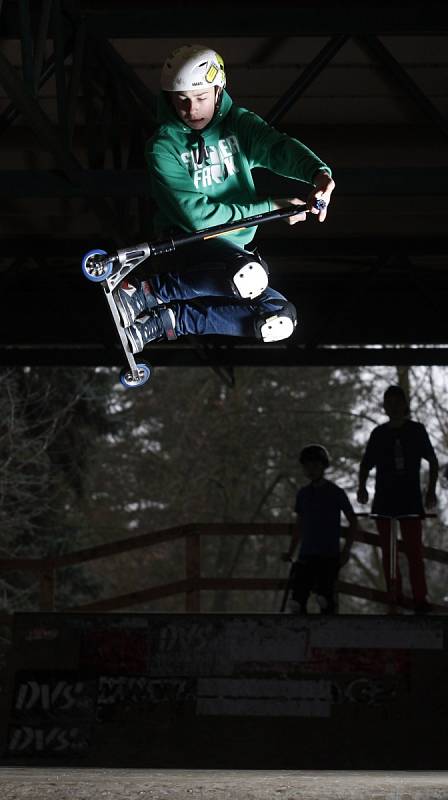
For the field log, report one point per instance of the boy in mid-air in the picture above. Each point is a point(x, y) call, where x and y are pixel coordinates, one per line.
point(200, 163)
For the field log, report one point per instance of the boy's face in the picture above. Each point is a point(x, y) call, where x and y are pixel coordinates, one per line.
point(314, 470)
point(195, 108)
point(395, 406)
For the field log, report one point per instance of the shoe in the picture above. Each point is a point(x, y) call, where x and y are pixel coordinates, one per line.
point(296, 608)
point(159, 324)
point(326, 605)
point(133, 299)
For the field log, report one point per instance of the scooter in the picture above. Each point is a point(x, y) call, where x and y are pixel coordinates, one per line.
point(111, 269)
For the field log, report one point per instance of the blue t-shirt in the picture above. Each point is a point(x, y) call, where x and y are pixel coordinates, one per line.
point(396, 453)
point(319, 508)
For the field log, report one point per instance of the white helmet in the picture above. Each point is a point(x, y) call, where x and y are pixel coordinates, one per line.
point(192, 66)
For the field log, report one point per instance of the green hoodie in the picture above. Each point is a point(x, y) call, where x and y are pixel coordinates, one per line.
point(192, 195)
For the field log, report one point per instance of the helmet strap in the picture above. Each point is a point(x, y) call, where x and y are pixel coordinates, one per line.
point(218, 98)
point(202, 150)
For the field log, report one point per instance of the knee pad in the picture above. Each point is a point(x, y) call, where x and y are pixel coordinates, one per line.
point(248, 276)
point(279, 325)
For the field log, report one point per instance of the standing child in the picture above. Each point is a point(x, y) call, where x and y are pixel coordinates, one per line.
point(200, 163)
point(396, 450)
point(318, 507)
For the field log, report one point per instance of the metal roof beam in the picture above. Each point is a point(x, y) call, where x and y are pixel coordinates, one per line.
point(377, 51)
point(140, 19)
point(41, 40)
point(308, 75)
point(228, 358)
point(121, 70)
point(326, 247)
point(47, 135)
point(356, 182)
point(266, 50)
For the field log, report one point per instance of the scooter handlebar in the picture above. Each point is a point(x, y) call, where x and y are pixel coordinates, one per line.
point(220, 230)
point(170, 245)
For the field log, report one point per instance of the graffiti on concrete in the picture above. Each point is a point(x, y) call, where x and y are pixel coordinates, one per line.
point(29, 740)
point(114, 648)
point(188, 676)
point(42, 634)
point(367, 661)
point(266, 698)
point(187, 638)
point(54, 694)
point(365, 691)
point(406, 633)
point(119, 694)
point(222, 646)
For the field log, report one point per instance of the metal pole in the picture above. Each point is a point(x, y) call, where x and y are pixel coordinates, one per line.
point(193, 573)
point(46, 590)
point(26, 40)
point(393, 553)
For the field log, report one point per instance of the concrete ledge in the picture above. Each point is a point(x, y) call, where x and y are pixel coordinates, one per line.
point(58, 784)
point(226, 691)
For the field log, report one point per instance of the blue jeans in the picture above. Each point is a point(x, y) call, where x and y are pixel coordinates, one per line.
point(201, 295)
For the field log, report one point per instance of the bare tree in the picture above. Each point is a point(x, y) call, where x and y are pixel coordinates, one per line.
point(49, 418)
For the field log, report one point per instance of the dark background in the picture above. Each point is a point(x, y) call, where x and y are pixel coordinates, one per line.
point(364, 85)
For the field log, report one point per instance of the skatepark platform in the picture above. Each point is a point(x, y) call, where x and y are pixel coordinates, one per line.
point(226, 691)
point(76, 783)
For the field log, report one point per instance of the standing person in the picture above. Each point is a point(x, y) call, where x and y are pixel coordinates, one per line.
point(318, 507)
point(395, 449)
point(200, 161)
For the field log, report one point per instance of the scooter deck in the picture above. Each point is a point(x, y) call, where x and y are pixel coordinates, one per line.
point(109, 293)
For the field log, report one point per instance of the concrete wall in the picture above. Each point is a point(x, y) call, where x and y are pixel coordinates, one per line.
point(253, 691)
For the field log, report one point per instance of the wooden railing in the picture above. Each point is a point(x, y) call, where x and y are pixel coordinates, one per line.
point(194, 583)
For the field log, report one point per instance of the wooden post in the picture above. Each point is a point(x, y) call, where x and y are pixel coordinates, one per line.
point(193, 572)
point(46, 590)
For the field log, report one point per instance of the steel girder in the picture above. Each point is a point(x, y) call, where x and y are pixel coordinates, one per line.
point(343, 301)
point(138, 18)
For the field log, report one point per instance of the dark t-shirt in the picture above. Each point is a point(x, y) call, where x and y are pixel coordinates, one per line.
point(319, 508)
point(397, 453)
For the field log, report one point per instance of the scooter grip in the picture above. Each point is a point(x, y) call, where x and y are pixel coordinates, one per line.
point(162, 248)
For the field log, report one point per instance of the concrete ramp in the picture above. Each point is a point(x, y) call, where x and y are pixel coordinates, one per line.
point(264, 691)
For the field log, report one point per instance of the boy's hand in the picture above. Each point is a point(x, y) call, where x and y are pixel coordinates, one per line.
point(324, 185)
point(363, 495)
point(292, 201)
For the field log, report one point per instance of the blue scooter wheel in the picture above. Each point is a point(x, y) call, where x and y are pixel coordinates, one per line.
point(92, 270)
point(144, 374)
